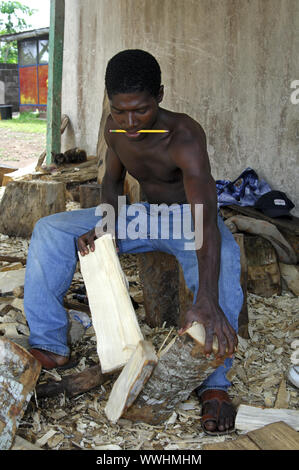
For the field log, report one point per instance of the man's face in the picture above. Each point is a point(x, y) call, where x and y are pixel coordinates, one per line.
point(133, 112)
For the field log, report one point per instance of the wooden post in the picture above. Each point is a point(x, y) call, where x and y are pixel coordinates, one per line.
point(55, 78)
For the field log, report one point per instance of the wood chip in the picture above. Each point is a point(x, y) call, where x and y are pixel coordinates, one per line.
point(44, 439)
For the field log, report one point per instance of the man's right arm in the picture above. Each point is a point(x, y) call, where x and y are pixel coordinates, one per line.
point(112, 187)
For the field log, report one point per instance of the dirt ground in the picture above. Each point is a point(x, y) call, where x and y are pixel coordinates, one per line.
point(19, 149)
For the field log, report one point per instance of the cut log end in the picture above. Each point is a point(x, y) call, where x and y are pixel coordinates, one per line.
point(131, 380)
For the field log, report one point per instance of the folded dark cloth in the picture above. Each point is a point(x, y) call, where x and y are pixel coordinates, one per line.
point(244, 191)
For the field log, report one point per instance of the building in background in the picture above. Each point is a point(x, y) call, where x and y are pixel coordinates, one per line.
point(33, 54)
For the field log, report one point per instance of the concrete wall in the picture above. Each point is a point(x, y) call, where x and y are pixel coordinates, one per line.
point(9, 86)
point(227, 63)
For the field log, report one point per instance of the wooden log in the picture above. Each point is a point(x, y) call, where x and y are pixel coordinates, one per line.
point(112, 312)
point(19, 372)
point(159, 275)
point(182, 367)
point(284, 250)
point(131, 380)
point(90, 195)
point(263, 271)
point(72, 384)
point(25, 202)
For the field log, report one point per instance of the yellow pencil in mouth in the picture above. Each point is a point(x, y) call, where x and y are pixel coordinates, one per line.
point(146, 131)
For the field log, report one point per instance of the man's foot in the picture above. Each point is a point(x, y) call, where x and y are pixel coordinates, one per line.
point(218, 412)
point(50, 360)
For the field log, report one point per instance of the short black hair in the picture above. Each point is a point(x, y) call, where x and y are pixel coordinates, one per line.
point(131, 71)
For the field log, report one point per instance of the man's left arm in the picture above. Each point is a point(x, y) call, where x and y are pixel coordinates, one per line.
point(200, 188)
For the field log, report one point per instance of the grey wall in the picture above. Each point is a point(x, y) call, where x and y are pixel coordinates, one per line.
point(9, 79)
point(227, 63)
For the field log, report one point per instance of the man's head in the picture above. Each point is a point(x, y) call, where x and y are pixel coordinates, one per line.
point(133, 83)
point(132, 71)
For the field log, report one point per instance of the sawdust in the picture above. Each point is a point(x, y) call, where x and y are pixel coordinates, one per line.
point(258, 377)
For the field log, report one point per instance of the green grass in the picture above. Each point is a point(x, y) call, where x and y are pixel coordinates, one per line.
point(26, 122)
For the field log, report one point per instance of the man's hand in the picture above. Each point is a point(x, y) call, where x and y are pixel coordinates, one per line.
point(87, 239)
point(210, 315)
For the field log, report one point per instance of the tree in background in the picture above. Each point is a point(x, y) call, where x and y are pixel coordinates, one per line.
point(12, 21)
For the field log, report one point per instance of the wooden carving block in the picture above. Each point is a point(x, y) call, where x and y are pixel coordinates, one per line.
point(113, 315)
point(19, 372)
point(90, 195)
point(181, 368)
point(131, 380)
point(25, 202)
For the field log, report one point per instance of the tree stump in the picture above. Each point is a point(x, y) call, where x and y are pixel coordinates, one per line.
point(159, 275)
point(25, 202)
point(263, 270)
point(90, 195)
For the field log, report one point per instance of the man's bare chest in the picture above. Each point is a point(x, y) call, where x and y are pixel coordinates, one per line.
point(149, 165)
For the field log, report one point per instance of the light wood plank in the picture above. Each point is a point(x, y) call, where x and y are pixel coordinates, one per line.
point(113, 316)
point(250, 418)
point(275, 436)
point(241, 443)
point(131, 380)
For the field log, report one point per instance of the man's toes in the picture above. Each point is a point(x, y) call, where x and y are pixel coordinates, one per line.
point(210, 425)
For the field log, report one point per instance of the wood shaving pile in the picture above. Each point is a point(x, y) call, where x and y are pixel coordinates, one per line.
point(259, 377)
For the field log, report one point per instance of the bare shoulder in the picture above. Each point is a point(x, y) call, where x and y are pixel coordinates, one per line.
point(188, 144)
point(187, 130)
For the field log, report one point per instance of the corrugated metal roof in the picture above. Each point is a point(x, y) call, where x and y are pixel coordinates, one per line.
point(34, 33)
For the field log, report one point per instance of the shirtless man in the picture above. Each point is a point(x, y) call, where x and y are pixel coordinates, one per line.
point(171, 167)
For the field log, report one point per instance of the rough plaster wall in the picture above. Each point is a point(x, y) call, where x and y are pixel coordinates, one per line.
point(229, 64)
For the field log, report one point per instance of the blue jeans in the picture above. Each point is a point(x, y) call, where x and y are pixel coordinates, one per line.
point(52, 260)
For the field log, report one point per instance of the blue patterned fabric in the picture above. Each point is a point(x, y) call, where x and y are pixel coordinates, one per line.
point(244, 191)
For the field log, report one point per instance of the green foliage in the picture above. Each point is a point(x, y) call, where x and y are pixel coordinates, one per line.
point(12, 21)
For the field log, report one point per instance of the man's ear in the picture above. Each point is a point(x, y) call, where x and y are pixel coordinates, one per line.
point(160, 94)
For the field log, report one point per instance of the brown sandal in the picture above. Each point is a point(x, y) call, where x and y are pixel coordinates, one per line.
point(220, 396)
point(48, 360)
